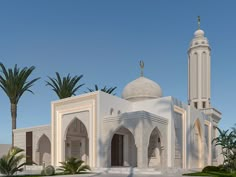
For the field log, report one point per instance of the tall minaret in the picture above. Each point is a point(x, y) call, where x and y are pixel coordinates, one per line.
point(199, 71)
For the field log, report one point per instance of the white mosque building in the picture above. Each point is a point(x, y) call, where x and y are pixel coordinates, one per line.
point(142, 129)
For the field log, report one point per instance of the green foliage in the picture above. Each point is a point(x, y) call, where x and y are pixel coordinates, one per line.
point(227, 141)
point(222, 168)
point(213, 174)
point(14, 81)
point(42, 172)
point(211, 169)
point(49, 170)
point(64, 87)
point(104, 89)
point(73, 166)
point(12, 162)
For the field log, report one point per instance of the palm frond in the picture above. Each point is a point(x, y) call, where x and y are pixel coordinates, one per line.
point(73, 166)
point(14, 82)
point(64, 87)
point(104, 89)
point(12, 162)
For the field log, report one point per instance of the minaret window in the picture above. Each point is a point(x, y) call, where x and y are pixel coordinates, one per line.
point(195, 105)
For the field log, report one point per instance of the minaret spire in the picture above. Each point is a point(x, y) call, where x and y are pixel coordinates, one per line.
point(198, 21)
point(141, 63)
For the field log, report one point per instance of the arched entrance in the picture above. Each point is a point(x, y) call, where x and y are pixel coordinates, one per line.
point(154, 149)
point(123, 148)
point(44, 151)
point(77, 143)
point(197, 146)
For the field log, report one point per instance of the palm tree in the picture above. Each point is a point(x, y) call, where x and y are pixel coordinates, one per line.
point(227, 141)
point(14, 83)
point(12, 162)
point(104, 89)
point(64, 87)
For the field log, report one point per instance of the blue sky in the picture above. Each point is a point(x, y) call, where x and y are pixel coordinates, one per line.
point(104, 41)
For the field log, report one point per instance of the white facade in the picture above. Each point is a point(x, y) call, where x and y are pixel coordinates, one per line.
point(142, 129)
point(41, 142)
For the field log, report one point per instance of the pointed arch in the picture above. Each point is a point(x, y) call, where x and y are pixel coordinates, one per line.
point(197, 145)
point(155, 149)
point(74, 122)
point(123, 151)
point(44, 150)
point(198, 124)
point(76, 140)
point(123, 127)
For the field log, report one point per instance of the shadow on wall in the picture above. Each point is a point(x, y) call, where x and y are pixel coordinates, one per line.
point(197, 139)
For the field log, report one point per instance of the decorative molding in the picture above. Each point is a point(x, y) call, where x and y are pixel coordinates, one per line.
point(209, 124)
point(184, 141)
point(75, 99)
point(136, 115)
point(86, 102)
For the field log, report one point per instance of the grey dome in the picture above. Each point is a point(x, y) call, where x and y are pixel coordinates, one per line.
point(141, 88)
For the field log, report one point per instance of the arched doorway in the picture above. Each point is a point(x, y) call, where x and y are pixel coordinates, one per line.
point(44, 150)
point(123, 148)
point(77, 143)
point(197, 146)
point(154, 149)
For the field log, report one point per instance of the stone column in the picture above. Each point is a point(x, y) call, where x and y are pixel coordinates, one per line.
point(142, 150)
point(142, 157)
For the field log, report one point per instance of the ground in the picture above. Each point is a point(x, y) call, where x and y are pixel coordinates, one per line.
point(119, 175)
point(116, 175)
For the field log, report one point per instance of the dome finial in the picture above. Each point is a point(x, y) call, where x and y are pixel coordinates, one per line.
point(198, 22)
point(141, 63)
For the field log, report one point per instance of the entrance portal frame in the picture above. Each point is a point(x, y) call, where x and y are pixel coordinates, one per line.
point(71, 106)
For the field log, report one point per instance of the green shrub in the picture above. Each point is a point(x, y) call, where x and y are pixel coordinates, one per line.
point(49, 170)
point(73, 166)
point(42, 173)
point(10, 163)
point(210, 169)
point(222, 168)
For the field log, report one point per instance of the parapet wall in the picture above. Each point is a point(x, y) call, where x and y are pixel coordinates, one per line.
point(4, 149)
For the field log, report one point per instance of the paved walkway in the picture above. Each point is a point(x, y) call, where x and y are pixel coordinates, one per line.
point(120, 175)
point(117, 175)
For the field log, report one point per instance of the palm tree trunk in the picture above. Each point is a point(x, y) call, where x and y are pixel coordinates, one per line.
point(13, 116)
